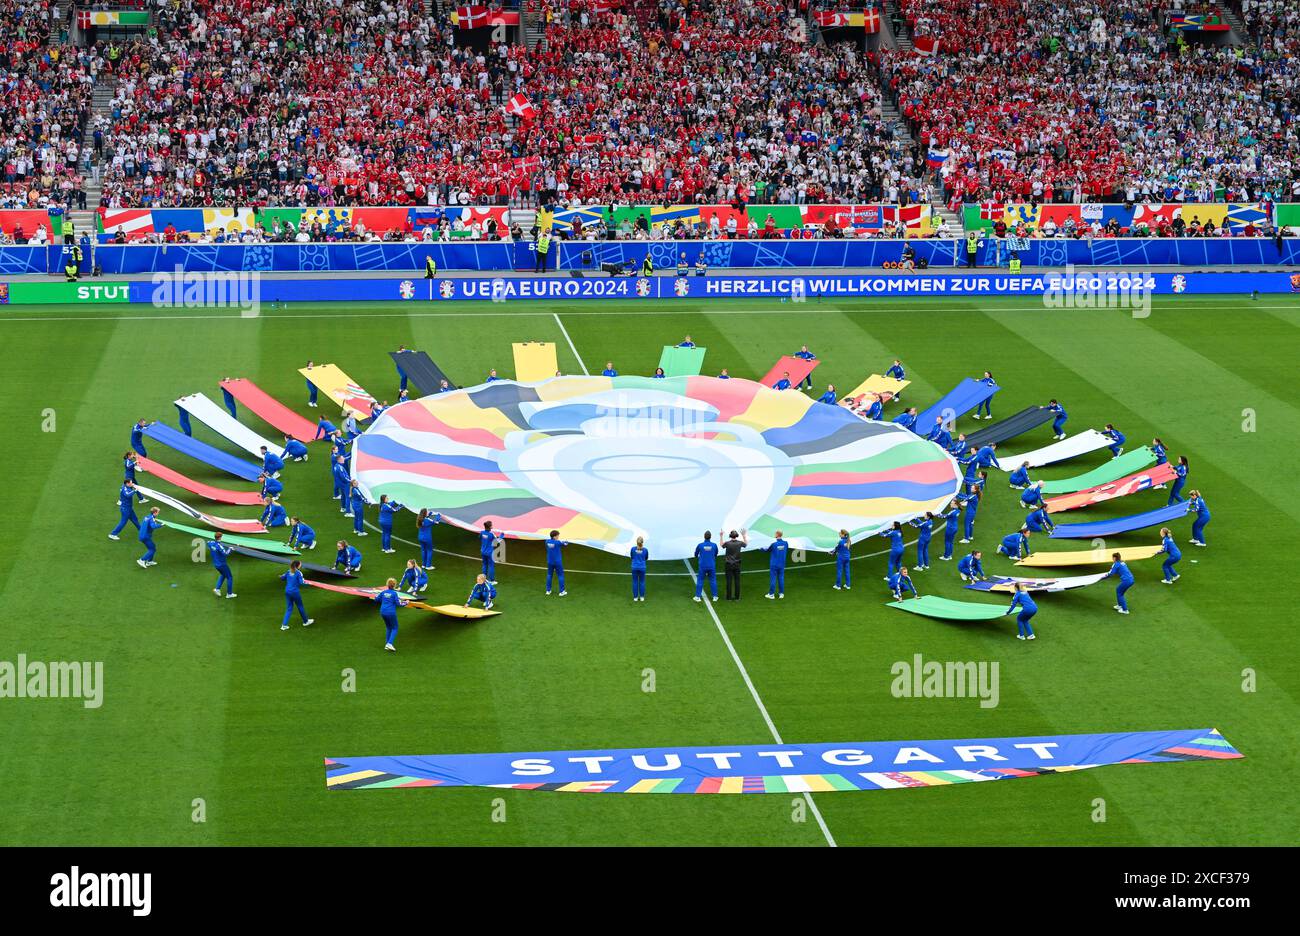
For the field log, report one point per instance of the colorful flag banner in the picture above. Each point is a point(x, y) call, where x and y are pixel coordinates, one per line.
point(88, 18)
point(783, 768)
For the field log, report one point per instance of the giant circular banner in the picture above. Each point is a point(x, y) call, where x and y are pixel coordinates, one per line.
point(607, 459)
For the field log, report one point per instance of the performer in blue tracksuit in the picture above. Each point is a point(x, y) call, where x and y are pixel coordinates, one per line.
point(1120, 571)
point(339, 447)
point(986, 458)
point(986, 406)
point(723, 375)
point(424, 535)
point(971, 567)
point(895, 537)
point(1033, 496)
point(975, 486)
point(483, 591)
point(972, 506)
point(126, 496)
point(899, 582)
point(273, 515)
point(1015, 545)
point(876, 409)
point(908, 419)
point(1028, 609)
point(686, 342)
point(271, 487)
point(342, 483)
point(896, 371)
point(783, 383)
point(1117, 439)
point(401, 374)
point(841, 554)
point(389, 600)
point(350, 428)
point(293, 449)
point(272, 464)
point(487, 541)
point(301, 536)
point(293, 581)
point(706, 555)
point(219, 552)
point(348, 556)
point(376, 410)
point(147, 526)
point(640, 555)
point(357, 505)
point(1159, 451)
point(555, 561)
point(388, 510)
point(1202, 514)
point(137, 436)
point(951, 518)
point(926, 526)
point(659, 374)
point(414, 579)
point(938, 434)
point(804, 354)
point(828, 396)
point(129, 466)
point(1060, 416)
point(609, 370)
point(311, 388)
point(1039, 522)
point(325, 429)
point(777, 551)
point(966, 462)
point(1180, 479)
point(1020, 477)
point(1172, 555)
point(958, 446)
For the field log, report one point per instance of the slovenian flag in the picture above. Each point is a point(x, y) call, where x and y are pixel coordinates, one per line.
point(936, 158)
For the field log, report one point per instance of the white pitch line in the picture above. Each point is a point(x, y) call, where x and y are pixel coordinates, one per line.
point(564, 331)
point(758, 700)
point(876, 305)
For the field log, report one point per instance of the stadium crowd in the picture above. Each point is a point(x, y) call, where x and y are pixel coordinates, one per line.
point(45, 101)
point(1033, 101)
point(372, 102)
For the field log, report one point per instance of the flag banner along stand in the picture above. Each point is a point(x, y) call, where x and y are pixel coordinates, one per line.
point(782, 768)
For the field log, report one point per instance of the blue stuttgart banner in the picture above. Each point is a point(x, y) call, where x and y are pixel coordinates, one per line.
point(779, 768)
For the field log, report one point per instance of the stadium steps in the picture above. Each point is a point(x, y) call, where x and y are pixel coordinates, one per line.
point(1239, 34)
point(534, 30)
point(898, 26)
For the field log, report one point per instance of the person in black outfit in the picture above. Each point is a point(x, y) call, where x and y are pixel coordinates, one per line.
point(731, 551)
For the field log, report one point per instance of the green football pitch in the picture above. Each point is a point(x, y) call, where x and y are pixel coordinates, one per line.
point(207, 700)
